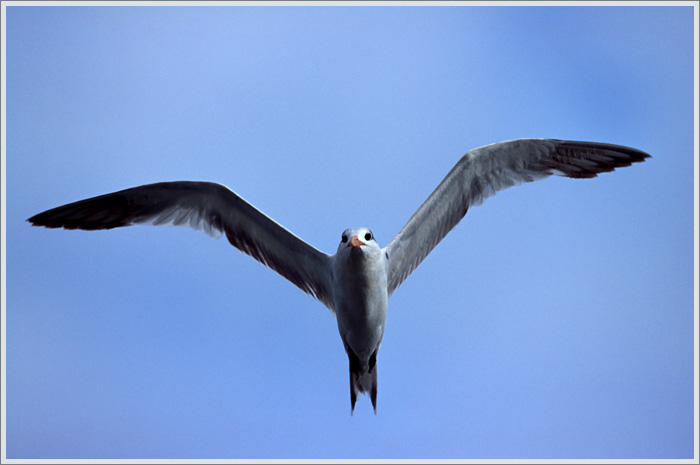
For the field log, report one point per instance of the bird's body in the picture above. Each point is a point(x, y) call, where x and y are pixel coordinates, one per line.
point(361, 300)
point(357, 281)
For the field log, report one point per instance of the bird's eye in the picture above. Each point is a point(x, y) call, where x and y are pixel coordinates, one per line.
point(368, 236)
point(344, 238)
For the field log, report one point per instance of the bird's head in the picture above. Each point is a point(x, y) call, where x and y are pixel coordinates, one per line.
point(357, 242)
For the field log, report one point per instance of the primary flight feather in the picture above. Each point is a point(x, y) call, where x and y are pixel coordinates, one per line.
point(356, 282)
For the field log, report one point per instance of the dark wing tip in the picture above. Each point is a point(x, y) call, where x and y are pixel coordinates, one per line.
point(52, 222)
point(588, 159)
point(103, 212)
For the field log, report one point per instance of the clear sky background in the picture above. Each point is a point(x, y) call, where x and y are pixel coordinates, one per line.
point(555, 321)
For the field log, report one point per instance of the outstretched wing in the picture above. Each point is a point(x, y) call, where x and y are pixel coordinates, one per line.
point(208, 206)
point(486, 170)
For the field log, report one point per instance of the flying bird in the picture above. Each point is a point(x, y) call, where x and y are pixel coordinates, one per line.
point(356, 282)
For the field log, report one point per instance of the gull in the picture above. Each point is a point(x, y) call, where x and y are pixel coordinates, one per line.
point(356, 282)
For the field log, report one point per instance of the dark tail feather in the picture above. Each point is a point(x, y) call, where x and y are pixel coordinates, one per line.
point(362, 381)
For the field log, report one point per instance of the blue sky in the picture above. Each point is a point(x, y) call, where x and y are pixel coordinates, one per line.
point(555, 321)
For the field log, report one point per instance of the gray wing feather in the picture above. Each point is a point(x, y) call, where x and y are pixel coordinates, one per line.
point(205, 206)
point(484, 171)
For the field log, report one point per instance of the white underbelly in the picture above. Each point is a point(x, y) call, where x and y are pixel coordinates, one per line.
point(361, 315)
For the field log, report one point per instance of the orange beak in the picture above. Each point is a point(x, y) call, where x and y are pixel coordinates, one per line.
point(355, 243)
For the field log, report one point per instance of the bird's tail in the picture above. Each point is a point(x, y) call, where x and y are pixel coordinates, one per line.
point(362, 380)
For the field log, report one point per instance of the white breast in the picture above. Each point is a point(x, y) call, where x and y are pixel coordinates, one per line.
point(361, 298)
